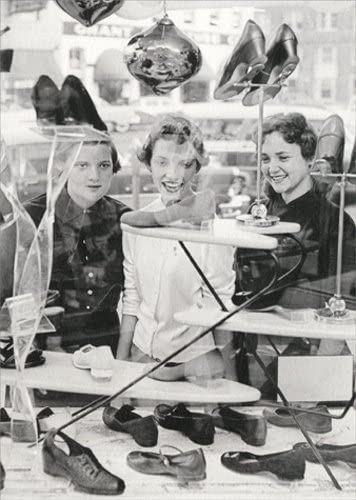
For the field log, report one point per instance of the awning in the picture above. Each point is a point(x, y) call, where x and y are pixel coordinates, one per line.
point(110, 65)
point(206, 74)
point(30, 64)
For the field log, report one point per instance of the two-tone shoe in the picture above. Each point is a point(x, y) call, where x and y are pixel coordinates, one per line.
point(80, 466)
point(288, 465)
point(282, 59)
point(142, 429)
point(247, 60)
point(345, 453)
point(198, 427)
point(185, 466)
point(313, 423)
point(251, 428)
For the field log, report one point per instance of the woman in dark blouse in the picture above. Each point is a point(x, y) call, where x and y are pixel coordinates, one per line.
point(87, 248)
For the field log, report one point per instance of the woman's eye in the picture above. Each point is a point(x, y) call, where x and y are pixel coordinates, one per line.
point(105, 166)
point(189, 164)
point(283, 158)
point(265, 159)
point(81, 165)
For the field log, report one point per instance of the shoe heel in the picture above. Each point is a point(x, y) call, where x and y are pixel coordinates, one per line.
point(51, 468)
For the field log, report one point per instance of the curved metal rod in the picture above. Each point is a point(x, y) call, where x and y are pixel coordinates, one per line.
point(103, 400)
point(303, 255)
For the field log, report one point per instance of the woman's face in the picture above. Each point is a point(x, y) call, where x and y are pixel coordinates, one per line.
point(90, 177)
point(284, 167)
point(173, 167)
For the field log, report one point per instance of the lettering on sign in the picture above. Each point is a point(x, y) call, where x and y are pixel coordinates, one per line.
point(101, 30)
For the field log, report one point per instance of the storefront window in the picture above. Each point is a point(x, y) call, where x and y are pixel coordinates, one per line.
point(195, 92)
point(76, 58)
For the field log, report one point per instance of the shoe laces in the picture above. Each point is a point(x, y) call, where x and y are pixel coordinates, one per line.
point(89, 467)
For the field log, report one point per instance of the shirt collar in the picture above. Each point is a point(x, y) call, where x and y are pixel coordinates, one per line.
point(68, 211)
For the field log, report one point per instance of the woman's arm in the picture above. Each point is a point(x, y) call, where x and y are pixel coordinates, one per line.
point(130, 299)
point(127, 330)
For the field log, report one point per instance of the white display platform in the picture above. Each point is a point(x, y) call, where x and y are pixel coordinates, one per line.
point(217, 232)
point(269, 323)
point(59, 374)
point(279, 228)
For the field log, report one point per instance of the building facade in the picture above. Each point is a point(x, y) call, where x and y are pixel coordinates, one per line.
point(47, 40)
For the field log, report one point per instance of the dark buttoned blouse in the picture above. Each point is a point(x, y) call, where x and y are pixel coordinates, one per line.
point(87, 259)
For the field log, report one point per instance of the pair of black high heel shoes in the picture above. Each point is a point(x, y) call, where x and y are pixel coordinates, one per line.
point(249, 62)
point(71, 105)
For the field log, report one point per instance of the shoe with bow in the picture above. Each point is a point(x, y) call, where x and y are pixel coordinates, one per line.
point(186, 466)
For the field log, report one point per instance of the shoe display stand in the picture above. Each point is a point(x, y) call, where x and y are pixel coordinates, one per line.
point(216, 237)
point(24, 470)
point(270, 323)
point(71, 379)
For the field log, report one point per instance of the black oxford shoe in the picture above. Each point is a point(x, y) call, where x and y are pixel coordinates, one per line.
point(329, 154)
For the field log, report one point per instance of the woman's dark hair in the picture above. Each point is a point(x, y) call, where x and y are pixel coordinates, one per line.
point(294, 129)
point(174, 127)
point(113, 151)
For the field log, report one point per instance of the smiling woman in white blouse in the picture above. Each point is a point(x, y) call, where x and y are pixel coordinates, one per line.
point(159, 279)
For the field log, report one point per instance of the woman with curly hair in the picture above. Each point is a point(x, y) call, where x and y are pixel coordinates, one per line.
point(159, 279)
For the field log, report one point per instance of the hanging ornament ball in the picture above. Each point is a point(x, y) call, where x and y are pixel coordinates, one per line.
point(162, 57)
point(89, 12)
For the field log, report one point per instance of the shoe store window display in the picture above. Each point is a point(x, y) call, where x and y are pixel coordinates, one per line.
point(87, 250)
point(159, 278)
point(288, 150)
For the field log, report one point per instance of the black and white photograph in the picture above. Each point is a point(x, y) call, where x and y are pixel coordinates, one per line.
point(178, 249)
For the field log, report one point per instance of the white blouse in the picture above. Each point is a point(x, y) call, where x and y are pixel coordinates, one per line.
point(160, 281)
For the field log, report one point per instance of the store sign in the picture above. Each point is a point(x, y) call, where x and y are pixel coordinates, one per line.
point(100, 30)
point(126, 32)
point(17, 6)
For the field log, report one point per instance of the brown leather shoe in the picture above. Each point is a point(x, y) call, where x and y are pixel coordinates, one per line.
point(80, 466)
point(186, 466)
point(142, 429)
point(246, 61)
point(288, 465)
point(313, 423)
point(329, 154)
point(282, 61)
point(251, 428)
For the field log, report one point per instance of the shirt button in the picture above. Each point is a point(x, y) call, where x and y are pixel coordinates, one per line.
point(90, 292)
point(91, 275)
point(84, 241)
point(87, 307)
point(86, 257)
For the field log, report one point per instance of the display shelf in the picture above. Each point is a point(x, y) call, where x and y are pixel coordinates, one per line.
point(269, 323)
point(59, 374)
point(217, 231)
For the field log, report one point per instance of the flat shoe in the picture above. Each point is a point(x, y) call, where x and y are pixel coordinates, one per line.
point(312, 423)
point(251, 428)
point(330, 452)
point(79, 466)
point(288, 465)
point(142, 429)
point(186, 466)
point(196, 426)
